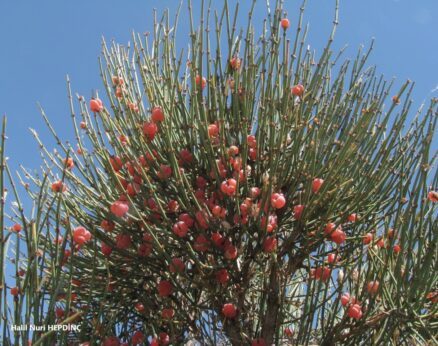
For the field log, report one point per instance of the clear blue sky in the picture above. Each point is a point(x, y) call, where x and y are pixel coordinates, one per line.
point(44, 40)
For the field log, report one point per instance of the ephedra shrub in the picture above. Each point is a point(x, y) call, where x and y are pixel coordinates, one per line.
point(255, 194)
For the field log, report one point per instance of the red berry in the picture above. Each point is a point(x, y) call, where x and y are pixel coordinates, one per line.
point(230, 252)
point(164, 339)
point(297, 90)
point(254, 192)
point(213, 130)
point(69, 163)
point(177, 265)
point(59, 312)
point(59, 186)
point(270, 244)
point(111, 341)
point(165, 288)
point(116, 163)
point(355, 311)
point(180, 229)
point(167, 314)
point(228, 186)
point(352, 217)
point(222, 276)
point(15, 291)
point(332, 258)
point(201, 243)
point(252, 142)
point(278, 200)
point(16, 228)
point(139, 307)
point(106, 249)
point(187, 219)
point(380, 243)
point(123, 241)
point(433, 196)
point(235, 63)
point(107, 226)
point(119, 208)
point(345, 299)
point(396, 248)
point(367, 238)
point(298, 210)
point(316, 184)
point(285, 23)
point(329, 228)
point(81, 235)
point(149, 130)
point(138, 338)
point(258, 342)
point(229, 310)
point(338, 235)
point(373, 287)
point(157, 115)
point(288, 332)
point(200, 81)
point(96, 105)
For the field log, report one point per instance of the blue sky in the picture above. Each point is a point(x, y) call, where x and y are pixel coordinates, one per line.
point(42, 41)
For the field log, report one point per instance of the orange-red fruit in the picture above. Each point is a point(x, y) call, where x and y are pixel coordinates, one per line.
point(433, 196)
point(285, 24)
point(180, 229)
point(157, 115)
point(123, 241)
point(270, 244)
point(230, 252)
point(59, 186)
point(396, 248)
point(229, 310)
point(338, 235)
point(69, 163)
point(298, 211)
point(96, 105)
point(138, 338)
point(106, 249)
point(107, 226)
point(297, 90)
point(139, 307)
point(81, 235)
point(16, 228)
point(355, 311)
point(345, 299)
point(164, 339)
point(200, 81)
point(201, 243)
point(352, 217)
point(168, 313)
point(149, 130)
point(329, 228)
point(332, 258)
point(258, 342)
point(316, 184)
point(228, 187)
point(367, 238)
point(222, 276)
point(278, 200)
point(235, 63)
point(177, 265)
point(119, 208)
point(165, 288)
point(15, 291)
point(373, 287)
point(213, 130)
point(288, 332)
point(111, 341)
